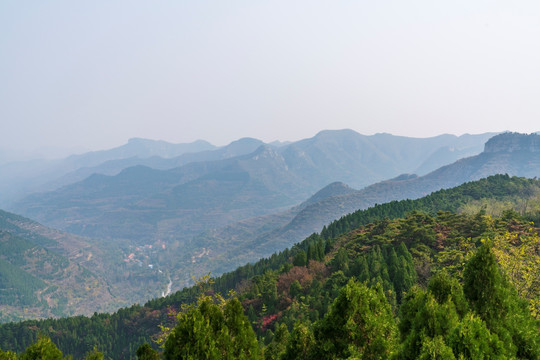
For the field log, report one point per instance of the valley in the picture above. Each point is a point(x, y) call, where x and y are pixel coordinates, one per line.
point(392, 246)
point(269, 180)
point(158, 229)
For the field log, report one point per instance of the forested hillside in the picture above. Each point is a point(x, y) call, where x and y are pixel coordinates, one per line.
point(451, 275)
point(217, 215)
point(509, 153)
point(48, 273)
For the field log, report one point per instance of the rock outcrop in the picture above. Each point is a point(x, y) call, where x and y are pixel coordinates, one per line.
point(512, 142)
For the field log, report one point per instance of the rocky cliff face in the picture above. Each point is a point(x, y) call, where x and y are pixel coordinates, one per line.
point(512, 142)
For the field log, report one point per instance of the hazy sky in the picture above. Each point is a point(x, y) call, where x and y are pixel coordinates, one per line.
point(95, 73)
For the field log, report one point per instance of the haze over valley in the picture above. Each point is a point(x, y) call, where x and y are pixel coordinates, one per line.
point(153, 215)
point(269, 180)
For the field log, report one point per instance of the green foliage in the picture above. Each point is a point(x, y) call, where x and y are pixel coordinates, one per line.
point(7, 355)
point(43, 349)
point(300, 259)
point(485, 287)
point(212, 331)
point(146, 352)
point(472, 340)
point(301, 342)
point(421, 318)
point(94, 355)
point(360, 324)
point(17, 286)
point(437, 319)
point(497, 303)
point(445, 288)
point(519, 256)
point(341, 261)
point(498, 187)
point(435, 349)
point(277, 347)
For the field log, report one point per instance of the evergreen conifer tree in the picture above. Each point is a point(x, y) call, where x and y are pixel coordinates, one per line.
point(497, 303)
point(276, 349)
point(43, 349)
point(359, 324)
point(212, 331)
point(145, 352)
point(7, 355)
point(300, 343)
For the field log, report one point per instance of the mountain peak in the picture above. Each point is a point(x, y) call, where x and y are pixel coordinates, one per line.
point(511, 142)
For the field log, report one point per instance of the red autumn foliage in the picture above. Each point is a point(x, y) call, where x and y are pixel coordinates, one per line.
point(268, 320)
point(300, 273)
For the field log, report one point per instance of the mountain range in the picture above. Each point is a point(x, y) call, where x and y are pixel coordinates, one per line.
point(400, 154)
point(392, 246)
point(216, 214)
point(508, 153)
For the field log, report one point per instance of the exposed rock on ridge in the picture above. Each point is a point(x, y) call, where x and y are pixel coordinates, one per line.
point(511, 142)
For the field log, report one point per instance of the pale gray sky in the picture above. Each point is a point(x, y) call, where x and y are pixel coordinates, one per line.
point(95, 73)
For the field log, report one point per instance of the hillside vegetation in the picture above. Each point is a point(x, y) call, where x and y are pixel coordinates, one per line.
point(47, 273)
point(513, 154)
point(189, 204)
point(410, 279)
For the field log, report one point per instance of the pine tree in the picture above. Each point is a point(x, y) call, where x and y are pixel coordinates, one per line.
point(212, 331)
point(423, 319)
point(445, 288)
point(7, 355)
point(497, 303)
point(359, 324)
point(435, 349)
point(300, 343)
point(276, 349)
point(341, 261)
point(472, 340)
point(300, 259)
point(43, 349)
point(145, 352)
point(94, 355)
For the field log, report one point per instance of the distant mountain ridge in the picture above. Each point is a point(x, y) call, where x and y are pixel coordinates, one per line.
point(214, 215)
point(23, 178)
point(199, 209)
point(511, 142)
point(224, 185)
point(119, 334)
point(20, 178)
point(508, 153)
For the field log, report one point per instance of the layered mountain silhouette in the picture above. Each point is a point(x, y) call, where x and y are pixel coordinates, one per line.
point(217, 187)
point(21, 178)
point(509, 153)
point(212, 215)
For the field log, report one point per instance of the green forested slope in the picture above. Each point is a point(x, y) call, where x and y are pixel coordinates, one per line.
point(45, 273)
point(298, 301)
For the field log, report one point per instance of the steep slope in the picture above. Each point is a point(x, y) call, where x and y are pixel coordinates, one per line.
point(240, 242)
point(44, 273)
point(171, 208)
point(464, 146)
point(512, 154)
